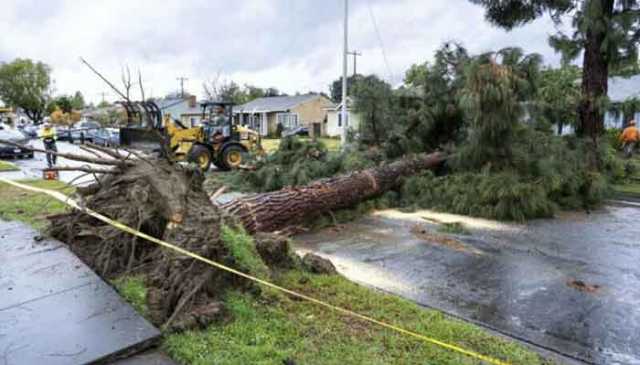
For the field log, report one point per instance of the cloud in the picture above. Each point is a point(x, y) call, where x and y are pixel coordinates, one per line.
point(293, 45)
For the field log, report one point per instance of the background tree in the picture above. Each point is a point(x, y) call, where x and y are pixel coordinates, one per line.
point(437, 118)
point(606, 32)
point(77, 101)
point(24, 84)
point(559, 95)
point(373, 100)
point(496, 87)
point(336, 87)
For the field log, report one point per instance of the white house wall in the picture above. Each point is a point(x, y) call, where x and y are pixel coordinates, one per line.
point(333, 130)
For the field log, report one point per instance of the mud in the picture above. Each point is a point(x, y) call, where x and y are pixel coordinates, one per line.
point(570, 284)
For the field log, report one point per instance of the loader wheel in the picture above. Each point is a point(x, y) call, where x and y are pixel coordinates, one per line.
point(232, 157)
point(201, 156)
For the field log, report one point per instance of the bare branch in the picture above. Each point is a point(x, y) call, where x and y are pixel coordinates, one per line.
point(87, 169)
point(141, 86)
point(70, 156)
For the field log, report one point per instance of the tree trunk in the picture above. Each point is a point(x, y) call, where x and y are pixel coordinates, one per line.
point(595, 74)
point(268, 212)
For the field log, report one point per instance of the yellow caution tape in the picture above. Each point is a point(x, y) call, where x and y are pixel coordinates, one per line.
point(67, 200)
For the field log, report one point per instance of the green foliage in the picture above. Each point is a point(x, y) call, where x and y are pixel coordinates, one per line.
point(336, 87)
point(626, 109)
point(230, 91)
point(559, 94)
point(492, 99)
point(436, 118)
point(24, 84)
point(243, 251)
point(298, 162)
point(373, 101)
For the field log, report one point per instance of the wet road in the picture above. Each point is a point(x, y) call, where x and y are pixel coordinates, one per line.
point(32, 168)
point(571, 284)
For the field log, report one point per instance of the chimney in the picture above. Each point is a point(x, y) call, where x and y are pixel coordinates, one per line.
point(192, 101)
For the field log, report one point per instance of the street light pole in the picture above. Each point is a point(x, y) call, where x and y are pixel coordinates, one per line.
point(343, 112)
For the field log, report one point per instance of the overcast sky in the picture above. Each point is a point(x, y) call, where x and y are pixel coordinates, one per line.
point(293, 45)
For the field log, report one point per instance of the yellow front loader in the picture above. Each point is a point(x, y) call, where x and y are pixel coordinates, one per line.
point(216, 140)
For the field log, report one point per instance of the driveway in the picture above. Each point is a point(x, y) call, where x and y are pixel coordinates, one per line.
point(571, 284)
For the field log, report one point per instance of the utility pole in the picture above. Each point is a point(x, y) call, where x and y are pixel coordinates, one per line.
point(343, 112)
point(181, 79)
point(355, 55)
point(103, 95)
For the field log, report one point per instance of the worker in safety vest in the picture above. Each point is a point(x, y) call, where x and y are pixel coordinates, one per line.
point(630, 137)
point(48, 135)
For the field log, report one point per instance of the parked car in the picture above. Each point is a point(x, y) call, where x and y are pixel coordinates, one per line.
point(84, 130)
point(29, 130)
point(296, 131)
point(107, 137)
point(13, 135)
point(63, 133)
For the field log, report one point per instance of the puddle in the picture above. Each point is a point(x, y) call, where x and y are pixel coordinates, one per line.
point(571, 284)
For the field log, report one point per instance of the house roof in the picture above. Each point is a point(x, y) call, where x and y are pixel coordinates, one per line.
point(621, 88)
point(177, 107)
point(274, 103)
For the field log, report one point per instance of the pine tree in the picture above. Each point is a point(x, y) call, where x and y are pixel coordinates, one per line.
point(606, 32)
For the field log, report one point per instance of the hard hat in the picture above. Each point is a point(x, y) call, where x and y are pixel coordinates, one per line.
point(632, 122)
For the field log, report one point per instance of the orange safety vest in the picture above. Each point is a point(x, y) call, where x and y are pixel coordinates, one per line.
point(630, 134)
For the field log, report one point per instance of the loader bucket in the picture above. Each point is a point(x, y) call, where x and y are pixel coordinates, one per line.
point(143, 139)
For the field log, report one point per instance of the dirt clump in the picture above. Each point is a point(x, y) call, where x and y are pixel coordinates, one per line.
point(583, 287)
point(318, 265)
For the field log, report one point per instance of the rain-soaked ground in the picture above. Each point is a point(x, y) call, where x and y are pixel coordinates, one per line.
point(571, 284)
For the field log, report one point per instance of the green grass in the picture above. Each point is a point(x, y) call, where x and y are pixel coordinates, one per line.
point(8, 166)
point(134, 291)
point(243, 250)
point(271, 144)
point(29, 207)
point(632, 188)
point(269, 330)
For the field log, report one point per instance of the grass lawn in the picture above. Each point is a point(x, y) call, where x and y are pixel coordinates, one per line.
point(275, 328)
point(272, 327)
point(29, 207)
point(271, 144)
point(8, 166)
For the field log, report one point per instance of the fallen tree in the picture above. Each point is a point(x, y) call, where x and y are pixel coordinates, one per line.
point(267, 212)
point(167, 200)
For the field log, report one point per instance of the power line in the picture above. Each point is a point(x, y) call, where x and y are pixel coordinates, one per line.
point(377, 31)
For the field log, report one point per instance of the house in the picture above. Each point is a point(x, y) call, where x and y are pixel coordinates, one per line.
point(334, 125)
point(186, 110)
point(620, 90)
point(264, 114)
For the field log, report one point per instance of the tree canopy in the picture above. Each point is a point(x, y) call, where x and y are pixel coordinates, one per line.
point(24, 84)
point(605, 32)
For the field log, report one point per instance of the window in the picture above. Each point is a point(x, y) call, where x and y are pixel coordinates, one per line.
point(340, 118)
point(288, 120)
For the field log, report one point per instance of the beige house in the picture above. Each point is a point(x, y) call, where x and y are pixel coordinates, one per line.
point(264, 114)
